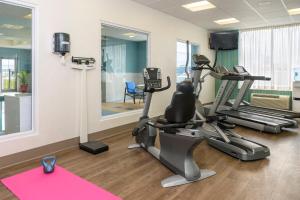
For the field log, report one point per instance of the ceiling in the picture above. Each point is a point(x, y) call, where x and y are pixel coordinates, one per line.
point(250, 13)
point(14, 16)
point(121, 33)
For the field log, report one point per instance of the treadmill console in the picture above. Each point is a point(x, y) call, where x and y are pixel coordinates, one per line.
point(152, 78)
point(240, 70)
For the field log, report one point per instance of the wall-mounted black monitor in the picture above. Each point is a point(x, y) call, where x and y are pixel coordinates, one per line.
point(226, 40)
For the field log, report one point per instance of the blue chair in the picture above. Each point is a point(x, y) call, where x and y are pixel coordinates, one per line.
point(132, 91)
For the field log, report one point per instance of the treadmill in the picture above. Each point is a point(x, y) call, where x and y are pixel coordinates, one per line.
point(217, 131)
point(258, 121)
point(245, 106)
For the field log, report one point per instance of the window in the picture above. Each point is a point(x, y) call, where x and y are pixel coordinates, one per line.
point(181, 59)
point(124, 57)
point(271, 52)
point(15, 69)
point(8, 75)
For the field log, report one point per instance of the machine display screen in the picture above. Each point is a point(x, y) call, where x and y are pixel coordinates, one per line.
point(152, 77)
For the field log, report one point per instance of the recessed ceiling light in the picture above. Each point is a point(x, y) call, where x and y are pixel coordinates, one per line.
point(264, 3)
point(29, 16)
point(200, 5)
point(294, 11)
point(131, 35)
point(227, 21)
point(11, 26)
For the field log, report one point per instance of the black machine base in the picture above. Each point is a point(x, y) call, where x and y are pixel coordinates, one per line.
point(94, 147)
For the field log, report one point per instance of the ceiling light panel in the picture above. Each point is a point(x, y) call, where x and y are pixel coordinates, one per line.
point(227, 21)
point(131, 35)
point(294, 11)
point(29, 16)
point(264, 3)
point(12, 27)
point(198, 6)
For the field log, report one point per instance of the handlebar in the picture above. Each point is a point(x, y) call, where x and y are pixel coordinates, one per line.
point(164, 88)
point(152, 90)
point(203, 67)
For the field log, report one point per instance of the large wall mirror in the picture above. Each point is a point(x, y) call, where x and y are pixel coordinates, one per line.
point(15, 69)
point(124, 57)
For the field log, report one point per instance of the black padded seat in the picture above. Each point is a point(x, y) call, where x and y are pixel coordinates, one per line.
point(182, 107)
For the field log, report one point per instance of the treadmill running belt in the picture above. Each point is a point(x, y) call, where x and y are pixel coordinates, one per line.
point(270, 111)
point(255, 118)
point(263, 112)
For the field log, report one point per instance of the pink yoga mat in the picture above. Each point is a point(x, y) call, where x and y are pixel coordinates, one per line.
point(60, 185)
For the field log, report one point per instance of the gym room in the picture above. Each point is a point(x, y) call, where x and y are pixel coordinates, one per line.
point(149, 99)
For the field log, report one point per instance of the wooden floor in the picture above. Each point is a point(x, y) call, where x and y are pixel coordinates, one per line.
point(134, 174)
point(120, 107)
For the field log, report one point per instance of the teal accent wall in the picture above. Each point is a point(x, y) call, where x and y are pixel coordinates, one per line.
point(142, 55)
point(135, 54)
point(23, 57)
point(229, 59)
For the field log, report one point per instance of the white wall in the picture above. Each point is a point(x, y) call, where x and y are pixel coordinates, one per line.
point(57, 90)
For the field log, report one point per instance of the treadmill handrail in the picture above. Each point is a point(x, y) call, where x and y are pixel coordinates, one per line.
point(222, 76)
point(258, 78)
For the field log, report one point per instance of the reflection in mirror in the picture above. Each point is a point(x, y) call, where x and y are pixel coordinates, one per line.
point(16, 67)
point(124, 57)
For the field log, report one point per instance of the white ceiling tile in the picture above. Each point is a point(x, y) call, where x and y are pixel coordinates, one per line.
point(292, 3)
point(231, 5)
point(249, 16)
point(280, 21)
point(263, 5)
point(165, 4)
point(276, 14)
point(241, 15)
point(146, 2)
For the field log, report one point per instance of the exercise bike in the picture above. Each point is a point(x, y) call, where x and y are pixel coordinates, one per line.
point(177, 142)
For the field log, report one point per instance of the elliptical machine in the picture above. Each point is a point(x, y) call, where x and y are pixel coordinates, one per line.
point(177, 143)
point(221, 137)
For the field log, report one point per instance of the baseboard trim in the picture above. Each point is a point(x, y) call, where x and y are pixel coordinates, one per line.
point(37, 153)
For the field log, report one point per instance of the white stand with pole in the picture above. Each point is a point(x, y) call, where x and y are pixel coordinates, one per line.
point(93, 147)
